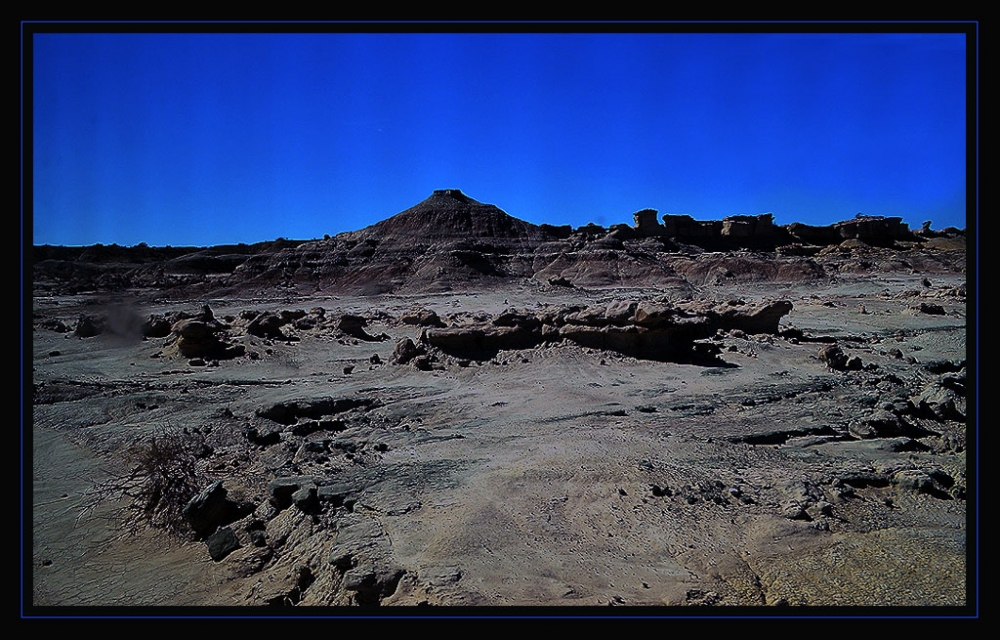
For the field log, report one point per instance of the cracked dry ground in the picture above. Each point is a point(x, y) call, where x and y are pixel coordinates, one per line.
point(555, 475)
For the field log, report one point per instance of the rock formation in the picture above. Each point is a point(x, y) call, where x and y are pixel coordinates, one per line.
point(874, 230)
point(646, 224)
point(647, 330)
point(202, 336)
point(451, 241)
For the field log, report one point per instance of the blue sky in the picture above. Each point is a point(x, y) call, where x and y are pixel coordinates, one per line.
point(197, 139)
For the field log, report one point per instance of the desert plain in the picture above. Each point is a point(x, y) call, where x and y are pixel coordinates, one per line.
point(454, 410)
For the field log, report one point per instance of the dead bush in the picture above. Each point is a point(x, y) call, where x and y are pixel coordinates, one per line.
point(163, 478)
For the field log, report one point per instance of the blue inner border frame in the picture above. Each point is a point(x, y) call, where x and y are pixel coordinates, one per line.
point(970, 612)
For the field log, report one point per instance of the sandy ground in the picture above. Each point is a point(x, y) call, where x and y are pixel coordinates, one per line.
point(553, 476)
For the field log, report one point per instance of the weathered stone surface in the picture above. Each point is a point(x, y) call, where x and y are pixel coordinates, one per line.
point(751, 318)
point(646, 330)
point(372, 582)
point(288, 412)
point(356, 536)
point(338, 494)
point(422, 318)
point(268, 325)
point(283, 489)
point(210, 509)
point(933, 482)
point(944, 398)
point(481, 342)
point(354, 326)
point(200, 338)
point(833, 356)
point(222, 543)
point(880, 424)
point(405, 350)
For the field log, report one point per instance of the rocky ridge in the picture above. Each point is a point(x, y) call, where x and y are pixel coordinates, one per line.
point(452, 242)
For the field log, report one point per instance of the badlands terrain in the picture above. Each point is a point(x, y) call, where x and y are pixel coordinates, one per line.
point(456, 411)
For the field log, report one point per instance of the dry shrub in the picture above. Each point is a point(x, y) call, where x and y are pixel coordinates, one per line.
point(162, 480)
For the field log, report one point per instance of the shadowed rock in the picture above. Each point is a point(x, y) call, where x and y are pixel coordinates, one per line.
point(481, 342)
point(89, 326)
point(268, 325)
point(405, 351)
point(422, 318)
point(648, 330)
point(201, 338)
point(833, 356)
point(354, 326)
point(211, 509)
point(944, 399)
point(222, 543)
point(284, 491)
point(288, 412)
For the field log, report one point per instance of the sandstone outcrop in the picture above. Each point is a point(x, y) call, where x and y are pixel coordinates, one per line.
point(646, 330)
point(405, 351)
point(646, 224)
point(422, 318)
point(202, 336)
point(874, 230)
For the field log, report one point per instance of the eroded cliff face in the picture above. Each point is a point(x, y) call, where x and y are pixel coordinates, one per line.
point(451, 241)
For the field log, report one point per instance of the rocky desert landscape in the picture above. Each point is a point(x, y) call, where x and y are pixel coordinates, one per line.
point(457, 411)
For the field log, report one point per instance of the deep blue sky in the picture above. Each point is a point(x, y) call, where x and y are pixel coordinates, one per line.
point(201, 139)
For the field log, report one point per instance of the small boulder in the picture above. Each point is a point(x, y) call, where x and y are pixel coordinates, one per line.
point(89, 326)
point(944, 399)
point(931, 308)
point(305, 498)
point(208, 510)
point(197, 338)
point(284, 490)
point(422, 318)
point(372, 582)
point(405, 351)
point(833, 356)
point(222, 543)
point(213, 508)
point(267, 325)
